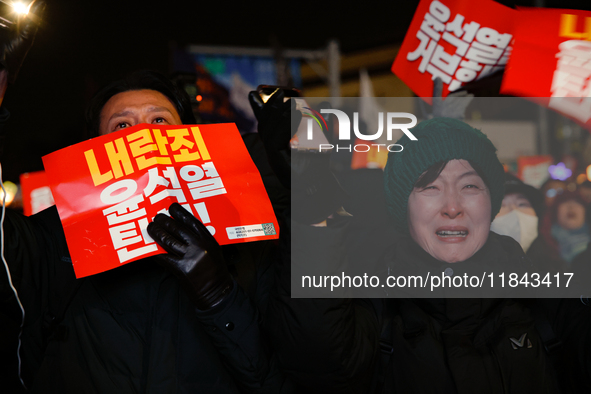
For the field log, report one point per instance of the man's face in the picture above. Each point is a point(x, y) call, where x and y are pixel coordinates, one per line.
point(137, 106)
point(450, 218)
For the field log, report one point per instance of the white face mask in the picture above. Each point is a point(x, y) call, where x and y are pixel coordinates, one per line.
point(517, 225)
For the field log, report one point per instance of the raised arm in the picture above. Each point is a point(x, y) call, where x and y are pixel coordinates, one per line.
point(325, 345)
point(15, 43)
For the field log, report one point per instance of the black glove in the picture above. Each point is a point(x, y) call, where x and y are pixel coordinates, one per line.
point(277, 122)
point(18, 39)
point(193, 255)
point(315, 192)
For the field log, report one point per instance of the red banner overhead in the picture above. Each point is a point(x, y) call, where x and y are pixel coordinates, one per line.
point(551, 60)
point(455, 41)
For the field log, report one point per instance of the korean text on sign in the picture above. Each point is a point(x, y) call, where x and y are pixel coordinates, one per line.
point(108, 189)
point(551, 61)
point(452, 46)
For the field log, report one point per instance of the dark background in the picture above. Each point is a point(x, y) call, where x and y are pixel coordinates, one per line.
point(81, 45)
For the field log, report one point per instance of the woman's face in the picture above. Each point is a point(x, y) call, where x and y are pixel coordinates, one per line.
point(571, 215)
point(450, 217)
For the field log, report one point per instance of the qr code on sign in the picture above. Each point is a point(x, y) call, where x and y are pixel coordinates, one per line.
point(269, 229)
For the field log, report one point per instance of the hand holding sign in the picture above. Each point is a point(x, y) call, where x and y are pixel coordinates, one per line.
point(107, 189)
point(194, 256)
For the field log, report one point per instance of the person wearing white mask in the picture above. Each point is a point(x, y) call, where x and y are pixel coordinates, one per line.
point(520, 209)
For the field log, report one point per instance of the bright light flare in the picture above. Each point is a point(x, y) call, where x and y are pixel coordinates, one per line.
point(11, 190)
point(21, 8)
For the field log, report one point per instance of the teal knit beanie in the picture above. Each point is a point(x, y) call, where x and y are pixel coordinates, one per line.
point(439, 140)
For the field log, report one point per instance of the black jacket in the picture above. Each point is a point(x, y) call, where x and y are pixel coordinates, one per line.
point(429, 345)
point(131, 329)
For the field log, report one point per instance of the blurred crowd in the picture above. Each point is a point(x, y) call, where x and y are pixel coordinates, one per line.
point(551, 223)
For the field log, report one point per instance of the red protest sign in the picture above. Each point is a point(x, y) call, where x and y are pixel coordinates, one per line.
point(36, 192)
point(551, 60)
point(455, 41)
point(109, 188)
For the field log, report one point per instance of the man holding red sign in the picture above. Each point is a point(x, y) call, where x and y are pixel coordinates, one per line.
point(184, 327)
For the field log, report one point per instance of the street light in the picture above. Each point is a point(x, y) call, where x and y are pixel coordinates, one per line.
point(12, 11)
point(11, 190)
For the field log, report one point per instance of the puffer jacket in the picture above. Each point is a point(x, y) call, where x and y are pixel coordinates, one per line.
point(441, 345)
point(129, 330)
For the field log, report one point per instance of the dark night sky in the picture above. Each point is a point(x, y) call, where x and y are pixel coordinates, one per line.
point(84, 44)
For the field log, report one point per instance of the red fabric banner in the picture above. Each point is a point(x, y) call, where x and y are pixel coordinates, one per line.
point(109, 188)
point(456, 41)
point(551, 61)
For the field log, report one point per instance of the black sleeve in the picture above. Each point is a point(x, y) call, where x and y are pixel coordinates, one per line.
point(41, 271)
point(570, 318)
point(325, 345)
point(278, 194)
point(4, 115)
point(234, 329)
point(37, 255)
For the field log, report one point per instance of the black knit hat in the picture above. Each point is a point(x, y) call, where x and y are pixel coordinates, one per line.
point(533, 195)
point(439, 140)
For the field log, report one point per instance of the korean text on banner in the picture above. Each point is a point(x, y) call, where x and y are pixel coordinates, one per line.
point(109, 188)
point(455, 41)
point(551, 61)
